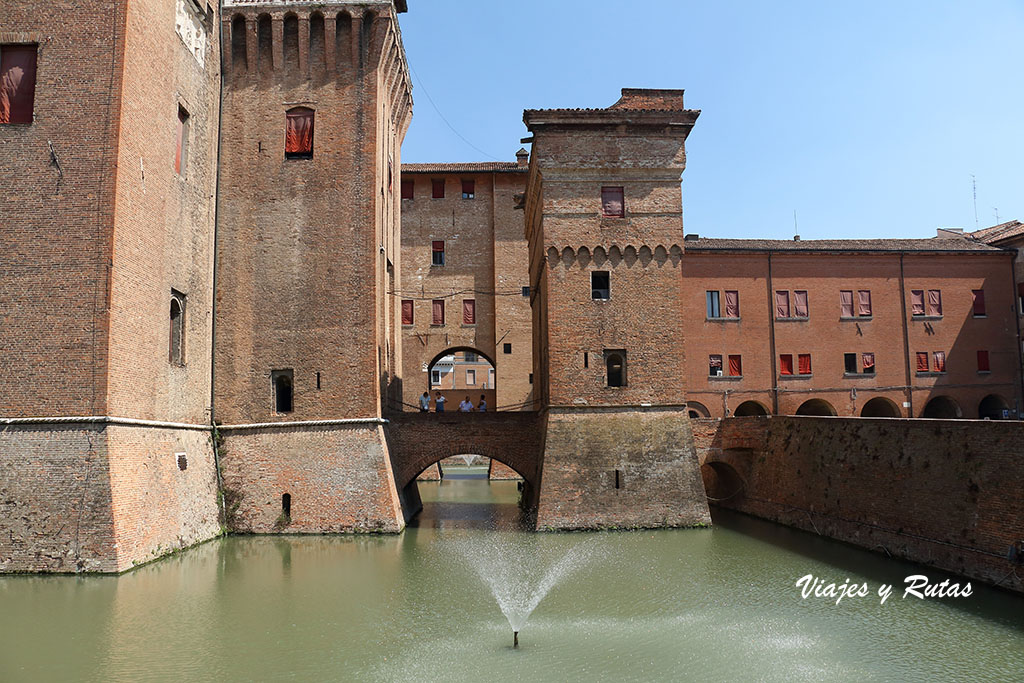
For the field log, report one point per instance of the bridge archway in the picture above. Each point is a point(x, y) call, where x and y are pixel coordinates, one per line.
point(461, 371)
point(721, 481)
point(749, 409)
point(943, 408)
point(880, 406)
point(696, 409)
point(816, 406)
point(992, 407)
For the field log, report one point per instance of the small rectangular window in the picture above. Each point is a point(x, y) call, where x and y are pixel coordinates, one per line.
point(469, 311)
point(978, 302)
point(846, 303)
point(786, 364)
point(600, 286)
point(615, 363)
point(732, 304)
point(735, 366)
point(437, 188)
point(507, 348)
point(437, 253)
point(181, 151)
point(800, 304)
point(438, 312)
point(470, 378)
point(713, 304)
point(282, 385)
point(935, 302)
point(868, 361)
point(804, 364)
point(781, 304)
point(17, 83)
point(526, 291)
point(407, 309)
point(983, 361)
point(850, 361)
point(864, 303)
point(408, 188)
point(922, 361)
point(714, 366)
point(298, 140)
point(612, 202)
point(435, 378)
point(469, 356)
point(940, 361)
point(468, 189)
point(917, 302)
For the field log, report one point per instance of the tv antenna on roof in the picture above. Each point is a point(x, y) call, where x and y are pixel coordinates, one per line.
point(974, 189)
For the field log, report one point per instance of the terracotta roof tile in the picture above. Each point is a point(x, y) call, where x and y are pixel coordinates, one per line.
point(471, 167)
point(1000, 232)
point(932, 244)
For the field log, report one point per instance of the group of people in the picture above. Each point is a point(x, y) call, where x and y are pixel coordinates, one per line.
point(465, 407)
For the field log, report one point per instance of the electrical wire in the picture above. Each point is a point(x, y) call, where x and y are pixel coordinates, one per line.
point(431, 100)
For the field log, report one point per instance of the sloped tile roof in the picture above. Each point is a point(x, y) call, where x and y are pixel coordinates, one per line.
point(933, 244)
point(472, 167)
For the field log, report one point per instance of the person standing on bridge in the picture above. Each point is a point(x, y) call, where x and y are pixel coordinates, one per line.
point(465, 406)
point(439, 403)
point(483, 404)
point(425, 402)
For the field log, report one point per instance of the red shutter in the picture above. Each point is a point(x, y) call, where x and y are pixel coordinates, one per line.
point(864, 303)
point(438, 309)
point(612, 202)
point(786, 364)
point(732, 304)
point(940, 361)
point(922, 361)
point(917, 302)
point(17, 83)
point(934, 302)
point(469, 311)
point(868, 361)
point(781, 304)
point(437, 188)
point(804, 364)
point(735, 366)
point(846, 304)
point(408, 186)
point(983, 361)
point(299, 135)
point(800, 303)
point(468, 188)
point(979, 301)
point(407, 312)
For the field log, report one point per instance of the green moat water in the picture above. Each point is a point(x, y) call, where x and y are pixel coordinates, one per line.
point(705, 604)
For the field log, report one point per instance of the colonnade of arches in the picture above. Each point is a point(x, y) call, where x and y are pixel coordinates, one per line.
point(991, 407)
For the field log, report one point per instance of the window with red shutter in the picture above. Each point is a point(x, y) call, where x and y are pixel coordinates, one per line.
point(979, 302)
point(437, 188)
point(804, 364)
point(298, 139)
point(437, 253)
point(735, 366)
point(438, 311)
point(868, 363)
point(786, 364)
point(613, 202)
point(17, 83)
point(468, 189)
point(922, 361)
point(983, 361)
point(469, 311)
point(407, 308)
point(846, 304)
point(917, 302)
point(408, 187)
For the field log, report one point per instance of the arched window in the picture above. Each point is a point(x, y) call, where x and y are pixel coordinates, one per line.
point(283, 391)
point(176, 343)
point(615, 363)
point(298, 140)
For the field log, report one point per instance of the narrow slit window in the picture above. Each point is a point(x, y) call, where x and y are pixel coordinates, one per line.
point(600, 285)
point(468, 189)
point(586, 359)
point(612, 202)
point(17, 83)
point(286, 504)
point(618, 479)
point(978, 305)
point(181, 146)
point(176, 344)
point(283, 390)
point(437, 253)
point(298, 140)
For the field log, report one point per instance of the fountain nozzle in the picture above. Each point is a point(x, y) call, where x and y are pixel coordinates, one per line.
point(515, 638)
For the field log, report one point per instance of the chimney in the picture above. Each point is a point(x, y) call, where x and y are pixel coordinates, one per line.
point(949, 232)
point(523, 157)
point(796, 238)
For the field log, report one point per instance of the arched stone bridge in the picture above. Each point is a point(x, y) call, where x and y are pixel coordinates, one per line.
point(418, 440)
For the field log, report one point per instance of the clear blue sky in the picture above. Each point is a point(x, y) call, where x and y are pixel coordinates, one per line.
point(866, 118)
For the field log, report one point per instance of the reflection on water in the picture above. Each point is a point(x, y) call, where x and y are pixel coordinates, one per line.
point(465, 499)
point(716, 604)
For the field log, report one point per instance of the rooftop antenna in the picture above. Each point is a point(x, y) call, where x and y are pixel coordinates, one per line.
point(796, 228)
point(974, 189)
point(997, 214)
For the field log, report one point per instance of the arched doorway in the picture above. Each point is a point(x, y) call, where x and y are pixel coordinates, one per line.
point(816, 406)
point(943, 408)
point(697, 409)
point(750, 409)
point(880, 407)
point(721, 481)
point(992, 407)
point(460, 373)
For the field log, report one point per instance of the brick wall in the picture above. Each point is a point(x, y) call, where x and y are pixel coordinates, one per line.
point(939, 492)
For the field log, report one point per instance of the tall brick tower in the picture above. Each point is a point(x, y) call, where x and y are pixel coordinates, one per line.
point(604, 224)
point(317, 99)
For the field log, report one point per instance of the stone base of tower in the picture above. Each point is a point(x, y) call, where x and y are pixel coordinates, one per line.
point(338, 479)
point(620, 467)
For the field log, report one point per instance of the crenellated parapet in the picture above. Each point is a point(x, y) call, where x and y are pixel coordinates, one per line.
point(602, 257)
